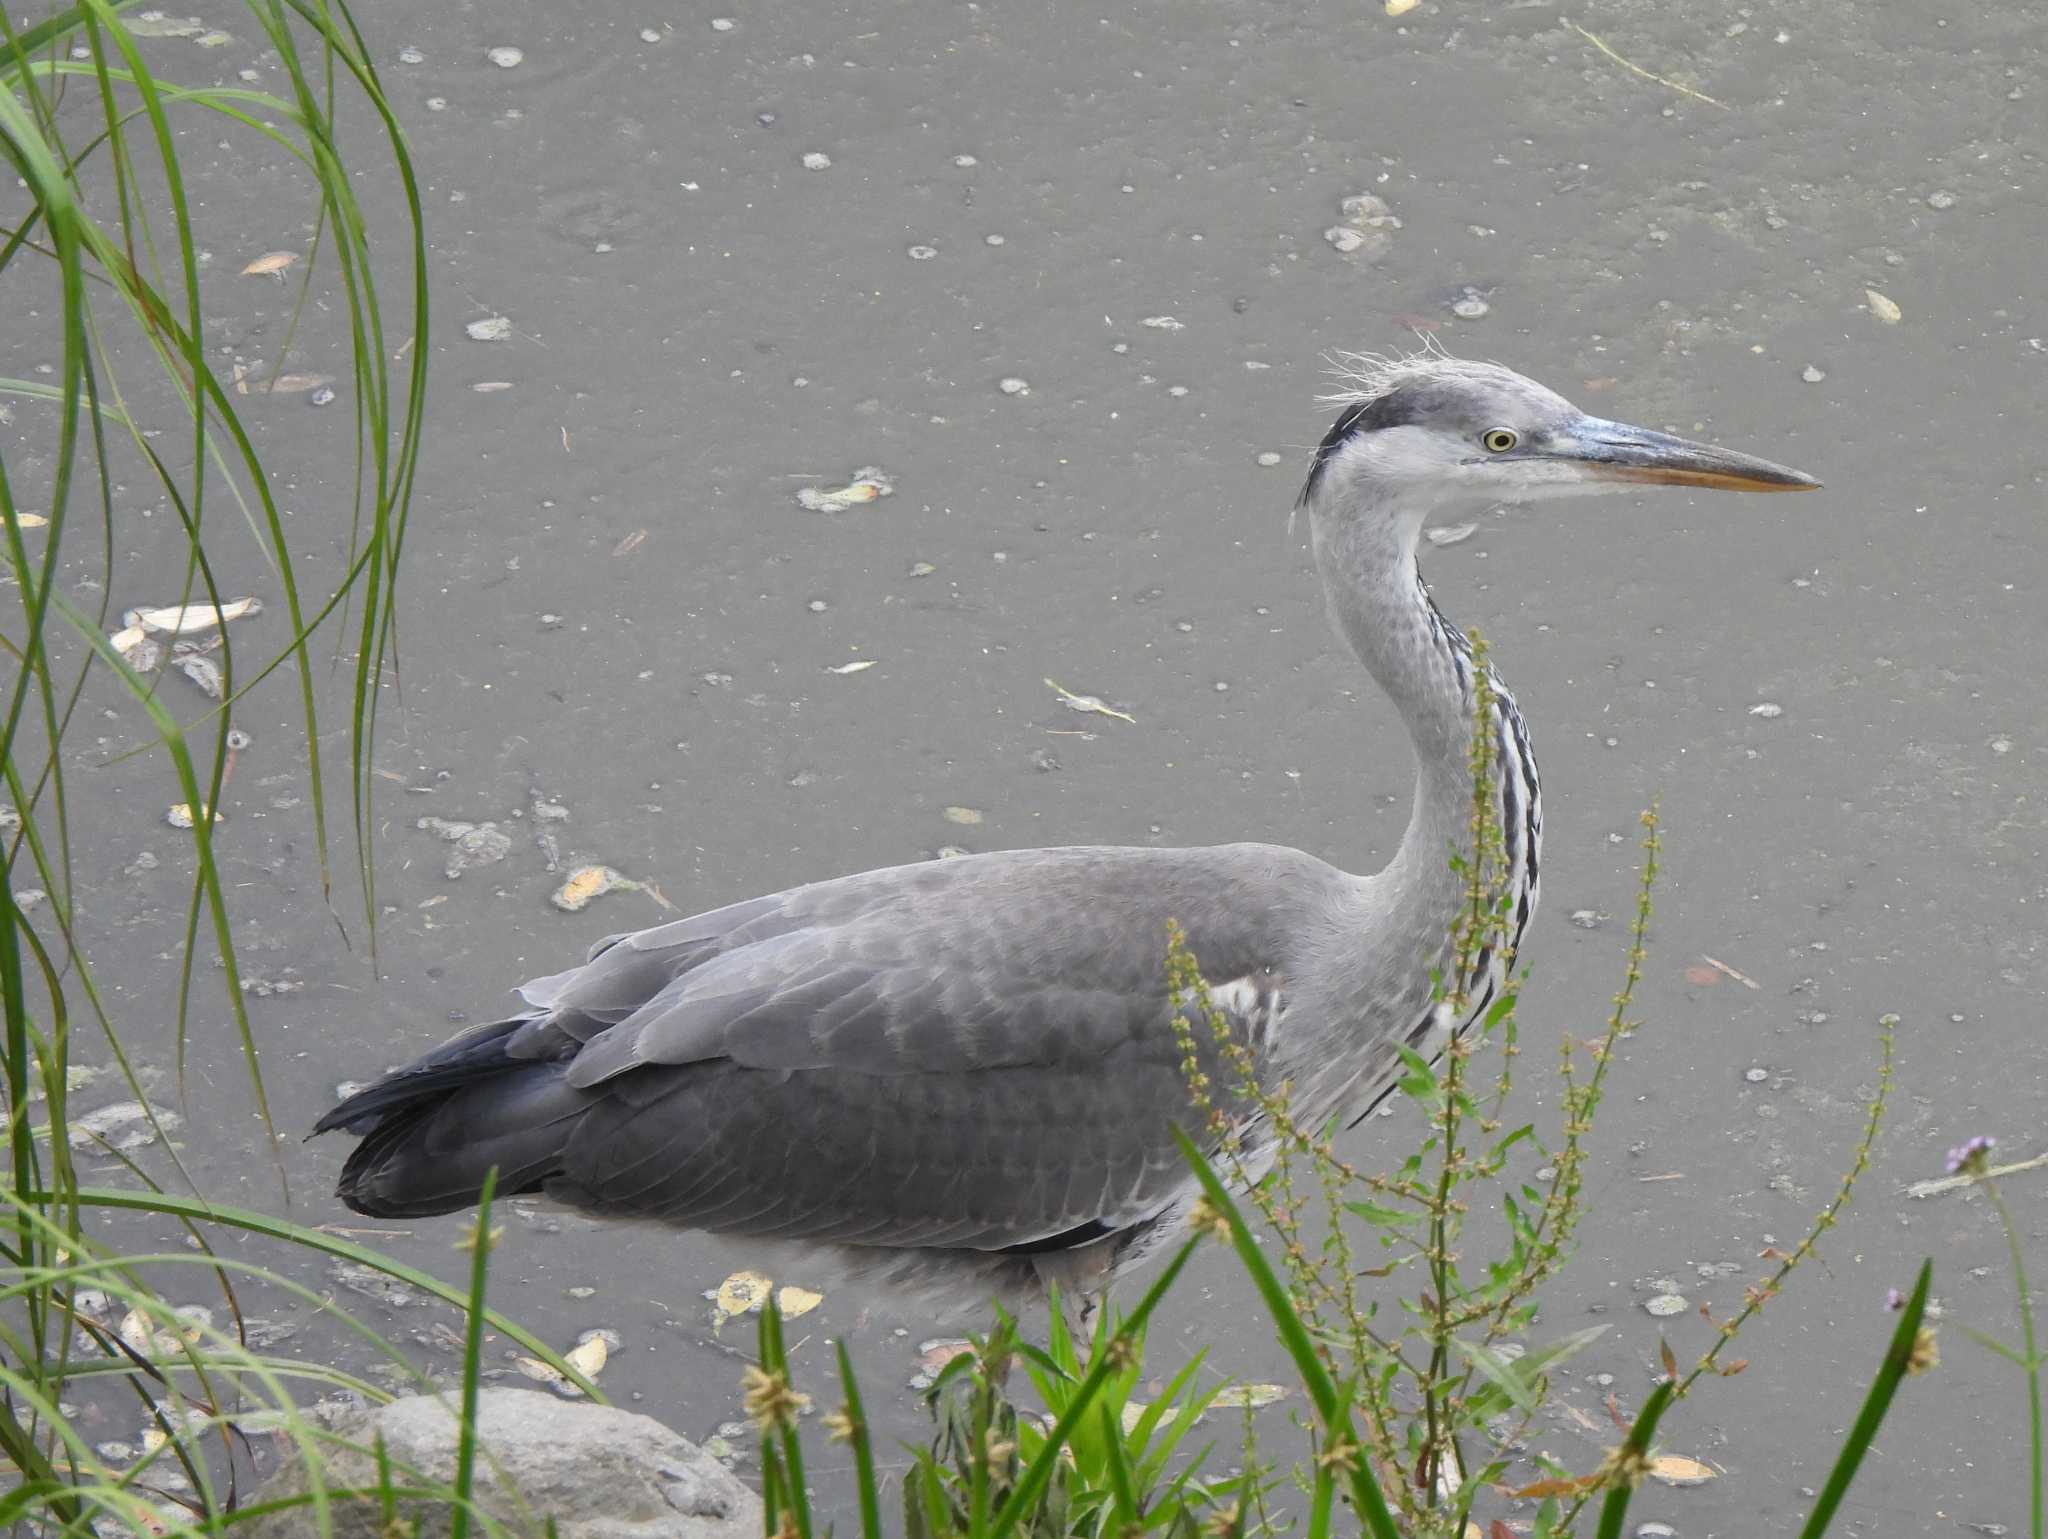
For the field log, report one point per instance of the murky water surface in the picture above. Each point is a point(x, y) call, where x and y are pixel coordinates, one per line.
point(1064, 278)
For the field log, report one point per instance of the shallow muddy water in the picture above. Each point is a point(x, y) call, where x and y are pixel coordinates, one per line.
point(1064, 278)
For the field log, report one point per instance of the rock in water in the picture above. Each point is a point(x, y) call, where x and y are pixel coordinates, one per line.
point(595, 1471)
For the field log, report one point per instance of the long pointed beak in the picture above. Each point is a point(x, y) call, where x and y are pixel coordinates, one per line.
point(1614, 451)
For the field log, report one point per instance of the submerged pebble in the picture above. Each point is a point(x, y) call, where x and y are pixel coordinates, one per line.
point(506, 58)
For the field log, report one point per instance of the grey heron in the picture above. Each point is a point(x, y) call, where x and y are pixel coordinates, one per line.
point(962, 1072)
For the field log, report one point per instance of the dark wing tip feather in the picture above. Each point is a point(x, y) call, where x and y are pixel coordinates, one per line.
point(473, 1055)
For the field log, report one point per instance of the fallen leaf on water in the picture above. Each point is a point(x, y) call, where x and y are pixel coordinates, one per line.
point(1240, 1396)
point(589, 1355)
point(138, 649)
point(794, 1301)
point(587, 883)
point(270, 262)
point(1720, 966)
point(1451, 535)
point(934, 1355)
point(138, 1332)
point(1401, 7)
point(1586, 1423)
point(740, 1294)
point(630, 543)
point(1133, 1412)
point(1883, 307)
point(1095, 703)
point(860, 667)
point(180, 816)
point(1703, 977)
point(1564, 1487)
point(1677, 1470)
point(869, 483)
point(967, 817)
point(491, 386)
point(204, 672)
point(282, 384)
point(158, 24)
point(538, 1371)
point(31, 520)
point(184, 621)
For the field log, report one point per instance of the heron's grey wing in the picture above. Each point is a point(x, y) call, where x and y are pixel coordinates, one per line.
point(994, 961)
point(990, 1159)
point(967, 1053)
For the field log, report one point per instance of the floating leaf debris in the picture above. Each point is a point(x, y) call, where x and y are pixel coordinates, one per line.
point(586, 884)
point(1092, 703)
point(475, 844)
point(1677, 1470)
point(492, 328)
point(869, 483)
point(1252, 1396)
point(860, 667)
point(184, 620)
point(1884, 308)
point(270, 262)
point(203, 671)
point(588, 1357)
point(794, 1301)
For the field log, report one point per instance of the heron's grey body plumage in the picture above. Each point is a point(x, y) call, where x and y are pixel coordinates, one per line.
point(965, 1071)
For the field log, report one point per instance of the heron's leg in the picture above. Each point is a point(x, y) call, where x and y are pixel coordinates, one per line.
point(1082, 1278)
point(1088, 1304)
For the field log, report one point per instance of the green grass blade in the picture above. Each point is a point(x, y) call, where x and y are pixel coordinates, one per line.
point(1123, 1492)
point(1636, 1447)
point(1315, 1378)
point(1897, 1358)
point(480, 1241)
point(863, 1448)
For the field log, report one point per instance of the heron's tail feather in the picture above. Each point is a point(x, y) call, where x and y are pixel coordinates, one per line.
point(432, 1130)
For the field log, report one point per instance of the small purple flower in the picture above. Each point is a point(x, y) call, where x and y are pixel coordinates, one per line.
point(1894, 1300)
point(1969, 1155)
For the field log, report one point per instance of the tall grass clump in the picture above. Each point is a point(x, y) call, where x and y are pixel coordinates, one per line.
point(103, 269)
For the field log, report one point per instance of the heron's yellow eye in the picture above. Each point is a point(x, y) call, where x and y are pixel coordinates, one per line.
point(1499, 440)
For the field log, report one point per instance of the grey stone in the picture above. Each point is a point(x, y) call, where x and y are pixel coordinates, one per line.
point(596, 1471)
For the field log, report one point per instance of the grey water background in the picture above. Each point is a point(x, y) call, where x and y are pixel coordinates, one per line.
point(613, 601)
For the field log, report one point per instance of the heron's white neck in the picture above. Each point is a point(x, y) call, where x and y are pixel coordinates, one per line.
point(1400, 930)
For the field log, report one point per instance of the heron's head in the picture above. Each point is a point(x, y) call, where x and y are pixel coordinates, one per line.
point(1430, 429)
